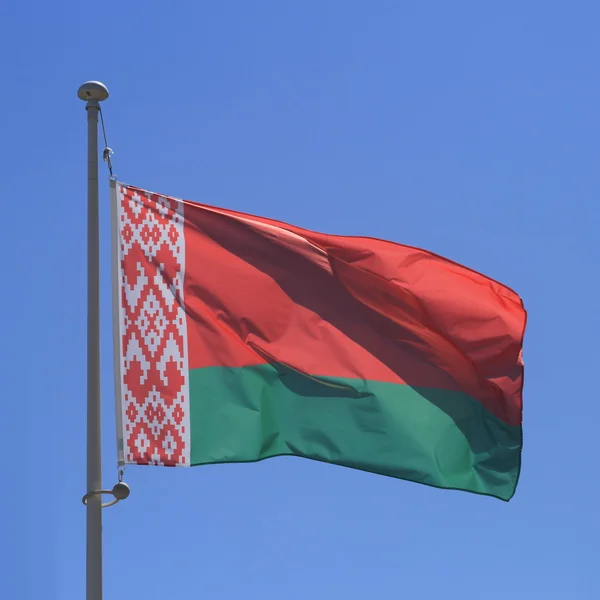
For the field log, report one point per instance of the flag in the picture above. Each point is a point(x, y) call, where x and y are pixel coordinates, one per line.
point(239, 338)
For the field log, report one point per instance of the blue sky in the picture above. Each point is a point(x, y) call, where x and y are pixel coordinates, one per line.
point(469, 128)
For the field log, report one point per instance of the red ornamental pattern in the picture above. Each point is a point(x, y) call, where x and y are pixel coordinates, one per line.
point(154, 366)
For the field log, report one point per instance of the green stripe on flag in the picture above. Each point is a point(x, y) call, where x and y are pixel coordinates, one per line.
point(437, 437)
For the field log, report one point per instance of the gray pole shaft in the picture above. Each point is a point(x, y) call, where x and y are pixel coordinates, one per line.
point(94, 441)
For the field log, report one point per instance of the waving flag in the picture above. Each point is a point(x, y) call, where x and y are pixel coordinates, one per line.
point(240, 338)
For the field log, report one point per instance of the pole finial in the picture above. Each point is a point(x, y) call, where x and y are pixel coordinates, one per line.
point(93, 91)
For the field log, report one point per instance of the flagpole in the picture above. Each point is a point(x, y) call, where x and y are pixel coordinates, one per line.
point(93, 93)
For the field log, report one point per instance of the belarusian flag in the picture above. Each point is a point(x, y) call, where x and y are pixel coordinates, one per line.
point(240, 338)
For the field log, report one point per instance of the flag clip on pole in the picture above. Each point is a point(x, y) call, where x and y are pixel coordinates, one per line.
point(93, 93)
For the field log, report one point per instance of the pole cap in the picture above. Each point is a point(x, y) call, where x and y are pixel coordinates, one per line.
point(92, 91)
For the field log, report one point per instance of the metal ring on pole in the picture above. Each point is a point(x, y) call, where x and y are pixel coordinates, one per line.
point(119, 492)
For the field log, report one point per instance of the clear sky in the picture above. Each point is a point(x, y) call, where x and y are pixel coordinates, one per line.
point(470, 128)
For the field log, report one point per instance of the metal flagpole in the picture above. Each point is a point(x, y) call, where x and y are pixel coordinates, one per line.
point(93, 93)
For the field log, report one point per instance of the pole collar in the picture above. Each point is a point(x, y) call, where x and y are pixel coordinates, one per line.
point(120, 491)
